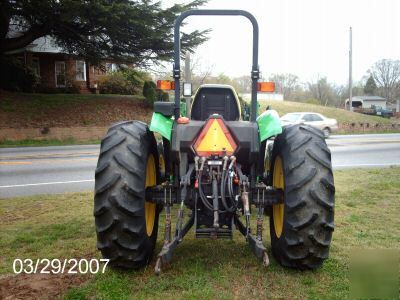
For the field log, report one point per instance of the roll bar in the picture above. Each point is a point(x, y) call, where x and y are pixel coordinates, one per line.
point(255, 73)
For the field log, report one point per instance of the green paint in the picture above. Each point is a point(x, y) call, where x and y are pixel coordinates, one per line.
point(162, 125)
point(183, 109)
point(269, 124)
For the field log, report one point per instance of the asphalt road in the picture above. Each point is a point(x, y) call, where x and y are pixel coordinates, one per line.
point(59, 169)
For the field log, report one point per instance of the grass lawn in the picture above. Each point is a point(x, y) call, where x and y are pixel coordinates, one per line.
point(341, 115)
point(23, 110)
point(40, 143)
point(61, 226)
point(36, 102)
point(27, 110)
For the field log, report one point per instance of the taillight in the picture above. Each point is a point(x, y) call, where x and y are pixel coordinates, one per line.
point(215, 139)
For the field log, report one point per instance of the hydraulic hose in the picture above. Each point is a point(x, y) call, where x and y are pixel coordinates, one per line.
point(226, 180)
point(203, 197)
point(201, 193)
point(223, 183)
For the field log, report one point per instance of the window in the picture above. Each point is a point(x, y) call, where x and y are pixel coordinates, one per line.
point(291, 117)
point(60, 73)
point(308, 118)
point(36, 66)
point(80, 70)
point(316, 118)
point(111, 67)
point(312, 118)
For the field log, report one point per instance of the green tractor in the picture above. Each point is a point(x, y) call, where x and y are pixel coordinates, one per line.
point(219, 167)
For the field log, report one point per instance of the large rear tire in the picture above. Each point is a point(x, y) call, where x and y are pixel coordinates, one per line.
point(301, 228)
point(126, 224)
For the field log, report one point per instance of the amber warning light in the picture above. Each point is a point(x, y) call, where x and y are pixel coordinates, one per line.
point(215, 139)
point(266, 87)
point(165, 85)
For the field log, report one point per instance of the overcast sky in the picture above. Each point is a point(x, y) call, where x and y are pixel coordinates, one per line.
point(308, 38)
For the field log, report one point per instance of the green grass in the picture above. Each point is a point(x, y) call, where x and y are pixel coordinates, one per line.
point(39, 101)
point(40, 143)
point(341, 115)
point(61, 226)
point(31, 105)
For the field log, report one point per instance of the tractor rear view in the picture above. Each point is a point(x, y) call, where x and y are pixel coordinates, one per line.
point(226, 171)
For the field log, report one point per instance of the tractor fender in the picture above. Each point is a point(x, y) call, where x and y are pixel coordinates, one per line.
point(269, 124)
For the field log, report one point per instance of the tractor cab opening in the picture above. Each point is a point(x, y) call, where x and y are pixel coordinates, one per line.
point(215, 99)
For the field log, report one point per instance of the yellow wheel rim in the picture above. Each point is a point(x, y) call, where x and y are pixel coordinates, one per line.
point(150, 208)
point(278, 209)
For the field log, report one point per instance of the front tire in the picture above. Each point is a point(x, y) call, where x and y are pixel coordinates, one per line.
point(126, 224)
point(327, 132)
point(301, 228)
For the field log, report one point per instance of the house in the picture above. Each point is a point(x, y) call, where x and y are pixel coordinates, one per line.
point(366, 102)
point(58, 69)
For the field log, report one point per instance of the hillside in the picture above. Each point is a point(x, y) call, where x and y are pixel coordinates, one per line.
point(21, 110)
point(341, 115)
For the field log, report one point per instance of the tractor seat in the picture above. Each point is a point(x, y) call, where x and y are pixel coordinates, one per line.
point(215, 99)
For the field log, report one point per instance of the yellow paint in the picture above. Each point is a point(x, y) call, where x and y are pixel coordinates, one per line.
point(54, 155)
point(150, 208)
point(214, 140)
point(11, 163)
point(278, 209)
point(46, 161)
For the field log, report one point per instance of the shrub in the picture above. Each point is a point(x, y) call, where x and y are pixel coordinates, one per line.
point(127, 81)
point(136, 78)
point(163, 96)
point(115, 83)
point(14, 76)
point(150, 92)
point(71, 87)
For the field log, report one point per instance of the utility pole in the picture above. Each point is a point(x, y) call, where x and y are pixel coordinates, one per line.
point(187, 79)
point(350, 72)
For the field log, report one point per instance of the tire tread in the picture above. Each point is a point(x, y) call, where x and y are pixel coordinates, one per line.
point(308, 196)
point(119, 195)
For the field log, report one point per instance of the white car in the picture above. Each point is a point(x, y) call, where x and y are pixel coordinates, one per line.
point(313, 119)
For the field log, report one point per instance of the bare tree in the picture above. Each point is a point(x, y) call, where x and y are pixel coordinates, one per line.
point(243, 83)
point(285, 84)
point(339, 92)
point(321, 90)
point(386, 73)
point(200, 70)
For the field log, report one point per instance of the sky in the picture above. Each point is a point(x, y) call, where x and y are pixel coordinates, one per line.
point(309, 38)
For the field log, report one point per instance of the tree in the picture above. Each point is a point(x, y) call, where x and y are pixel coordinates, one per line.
point(285, 84)
point(200, 71)
point(386, 74)
point(134, 31)
point(243, 83)
point(321, 90)
point(370, 86)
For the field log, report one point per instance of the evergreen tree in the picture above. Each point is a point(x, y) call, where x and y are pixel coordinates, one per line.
point(132, 31)
point(370, 86)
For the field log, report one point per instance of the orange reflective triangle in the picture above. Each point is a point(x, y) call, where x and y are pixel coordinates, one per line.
point(215, 138)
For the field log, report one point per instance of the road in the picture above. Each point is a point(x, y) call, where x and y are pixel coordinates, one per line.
point(59, 169)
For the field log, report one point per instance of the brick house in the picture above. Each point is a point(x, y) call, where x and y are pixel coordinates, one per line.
point(61, 70)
